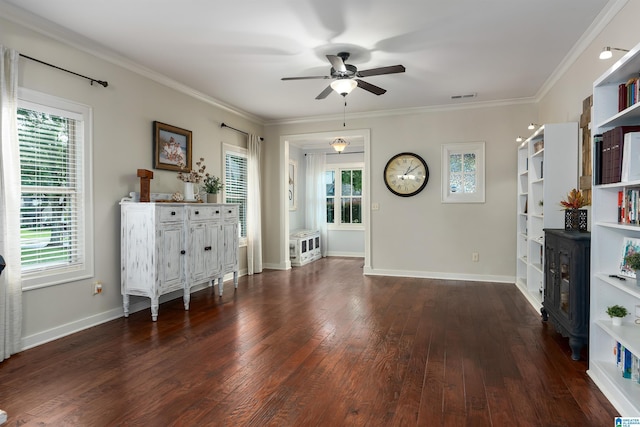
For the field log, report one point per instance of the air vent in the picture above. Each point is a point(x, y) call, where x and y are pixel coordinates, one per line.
point(466, 96)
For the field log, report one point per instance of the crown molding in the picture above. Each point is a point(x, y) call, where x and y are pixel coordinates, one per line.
point(77, 41)
point(602, 20)
point(402, 111)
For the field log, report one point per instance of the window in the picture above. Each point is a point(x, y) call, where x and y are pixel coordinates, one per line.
point(344, 197)
point(463, 173)
point(56, 217)
point(235, 184)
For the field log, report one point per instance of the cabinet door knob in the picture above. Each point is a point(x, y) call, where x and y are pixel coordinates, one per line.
point(229, 211)
point(197, 212)
point(207, 248)
point(182, 252)
point(173, 213)
point(217, 212)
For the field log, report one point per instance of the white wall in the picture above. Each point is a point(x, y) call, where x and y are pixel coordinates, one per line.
point(122, 143)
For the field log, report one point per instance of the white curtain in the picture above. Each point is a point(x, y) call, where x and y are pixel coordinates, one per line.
point(254, 207)
point(315, 207)
point(10, 280)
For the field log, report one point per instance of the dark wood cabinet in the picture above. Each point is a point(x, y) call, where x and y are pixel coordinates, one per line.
point(566, 292)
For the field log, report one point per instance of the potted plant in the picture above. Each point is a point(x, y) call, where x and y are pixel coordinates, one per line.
point(212, 186)
point(616, 312)
point(575, 218)
point(633, 262)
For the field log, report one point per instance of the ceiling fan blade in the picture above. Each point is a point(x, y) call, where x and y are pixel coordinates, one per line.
point(325, 93)
point(382, 70)
point(306, 78)
point(337, 63)
point(369, 87)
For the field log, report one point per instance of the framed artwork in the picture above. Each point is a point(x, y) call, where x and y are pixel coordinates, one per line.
point(171, 147)
point(293, 185)
point(629, 246)
point(462, 172)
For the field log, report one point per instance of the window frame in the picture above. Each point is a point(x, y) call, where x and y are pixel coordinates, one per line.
point(40, 278)
point(477, 148)
point(240, 152)
point(337, 168)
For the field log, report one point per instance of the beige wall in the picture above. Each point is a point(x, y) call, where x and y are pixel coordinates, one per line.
point(122, 130)
point(415, 236)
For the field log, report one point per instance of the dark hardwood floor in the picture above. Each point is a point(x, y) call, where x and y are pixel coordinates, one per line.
point(317, 345)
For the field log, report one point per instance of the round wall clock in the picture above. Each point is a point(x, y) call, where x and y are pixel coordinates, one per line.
point(406, 174)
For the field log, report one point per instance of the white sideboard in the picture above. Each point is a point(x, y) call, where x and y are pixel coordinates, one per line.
point(304, 247)
point(167, 247)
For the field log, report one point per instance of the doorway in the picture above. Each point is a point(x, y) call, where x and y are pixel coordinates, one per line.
point(293, 145)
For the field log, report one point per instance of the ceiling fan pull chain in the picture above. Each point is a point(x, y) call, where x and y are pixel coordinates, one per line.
point(344, 114)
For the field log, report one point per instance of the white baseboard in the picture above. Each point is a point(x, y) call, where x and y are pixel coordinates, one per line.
point(346, 254)
point(106, 316)
point(439, 275)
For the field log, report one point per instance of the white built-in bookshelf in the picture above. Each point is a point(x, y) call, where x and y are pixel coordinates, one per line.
point(607, 240)
point(547, 171)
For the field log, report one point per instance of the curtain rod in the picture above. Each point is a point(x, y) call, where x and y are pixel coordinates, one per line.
point(224, 125)
point(92, 80)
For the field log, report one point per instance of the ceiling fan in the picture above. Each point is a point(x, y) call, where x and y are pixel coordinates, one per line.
point(346, 76)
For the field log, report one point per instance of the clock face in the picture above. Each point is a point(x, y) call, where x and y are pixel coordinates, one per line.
point(406, 174)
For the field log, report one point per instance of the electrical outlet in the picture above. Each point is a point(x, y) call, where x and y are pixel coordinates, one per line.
point(97, 288)
point(475, 257)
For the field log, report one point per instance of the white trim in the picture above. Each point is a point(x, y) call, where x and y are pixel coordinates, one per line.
point(346, 254)
point(28, 98)
point(366, 188)
point(439, 275)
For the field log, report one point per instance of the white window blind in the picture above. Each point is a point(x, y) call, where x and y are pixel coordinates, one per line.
point(235, 185)
point(55, 212)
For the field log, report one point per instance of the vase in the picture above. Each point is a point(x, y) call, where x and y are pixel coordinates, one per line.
point(575, 219)
point(189, 192)
point(212, 197)
point(616, 321)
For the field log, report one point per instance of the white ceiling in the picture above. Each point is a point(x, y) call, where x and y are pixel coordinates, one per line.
point(237, 51)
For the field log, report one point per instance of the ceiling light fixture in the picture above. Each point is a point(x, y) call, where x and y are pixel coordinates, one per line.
point(339, 144)
point(519, 139)
point(344, 86)
point(532, 126)
point(606, 52)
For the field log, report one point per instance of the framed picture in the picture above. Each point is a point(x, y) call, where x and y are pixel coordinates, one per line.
point(293, 185)
point(629, 246)
point(171, 147)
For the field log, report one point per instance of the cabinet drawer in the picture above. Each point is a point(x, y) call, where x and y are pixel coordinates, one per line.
point(204, 213)
point(170, 214)
point(230, 213)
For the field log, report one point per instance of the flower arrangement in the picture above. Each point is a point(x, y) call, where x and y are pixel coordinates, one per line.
point(212, 184)
point(196, 175)
point(575, 200)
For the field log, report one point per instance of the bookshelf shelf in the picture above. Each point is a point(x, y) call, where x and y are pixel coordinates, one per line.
point(606, 250)
point(545, 177)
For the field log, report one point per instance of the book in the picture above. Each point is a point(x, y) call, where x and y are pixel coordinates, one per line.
point(612, 152)
point(631, 157)
point(597, 156)
point(628, 364)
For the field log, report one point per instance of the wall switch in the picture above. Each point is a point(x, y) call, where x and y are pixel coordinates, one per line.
point(375, 206)
point(475, 257)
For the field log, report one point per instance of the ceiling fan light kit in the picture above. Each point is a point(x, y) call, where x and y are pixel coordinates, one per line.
point(344, 86)
point(347, 77)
